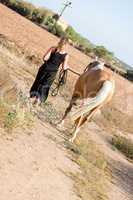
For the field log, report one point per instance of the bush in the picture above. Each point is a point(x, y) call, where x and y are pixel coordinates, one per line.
point(53, 27)
point(124, 145)
point(102, 52)
point(59, 31)
point(71, 34)
point(81, 43)
point(28, 10)
point(20, 7)
point(49, 21)
point(17, 115)
point(5, 2)
point(37, 16)
point(10, 120)
point(88, 50)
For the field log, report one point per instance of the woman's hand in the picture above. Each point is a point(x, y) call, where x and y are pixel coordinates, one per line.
point(48, 54)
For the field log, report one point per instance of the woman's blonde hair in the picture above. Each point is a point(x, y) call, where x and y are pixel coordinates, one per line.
point(63, 41)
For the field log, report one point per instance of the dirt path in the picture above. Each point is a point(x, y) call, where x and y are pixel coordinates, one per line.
point(121, 168)
point(34, 165)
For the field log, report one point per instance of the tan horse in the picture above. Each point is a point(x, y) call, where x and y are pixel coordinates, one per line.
point(93, 89)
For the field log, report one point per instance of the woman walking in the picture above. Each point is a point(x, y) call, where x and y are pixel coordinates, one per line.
point(53, 59)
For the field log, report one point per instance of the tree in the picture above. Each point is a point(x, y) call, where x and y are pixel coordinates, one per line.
point(101, 51)
point(37, 16)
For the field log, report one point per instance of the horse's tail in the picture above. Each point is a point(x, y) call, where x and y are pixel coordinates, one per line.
point(91, 103)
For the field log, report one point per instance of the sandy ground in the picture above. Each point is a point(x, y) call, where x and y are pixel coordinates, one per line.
point(35, 165)
point(121, 168)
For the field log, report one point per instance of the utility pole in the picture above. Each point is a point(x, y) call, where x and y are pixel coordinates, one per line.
point(67, 4)
point(57, 16)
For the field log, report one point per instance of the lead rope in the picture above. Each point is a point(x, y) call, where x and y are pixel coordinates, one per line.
point(62, 80)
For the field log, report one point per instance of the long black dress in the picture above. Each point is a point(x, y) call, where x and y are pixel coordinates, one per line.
point(46, 75)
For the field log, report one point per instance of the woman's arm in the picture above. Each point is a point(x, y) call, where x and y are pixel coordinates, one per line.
point(48, 53)
point(65, 63)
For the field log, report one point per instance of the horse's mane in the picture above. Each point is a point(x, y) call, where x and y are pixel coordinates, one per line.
point(91, 65)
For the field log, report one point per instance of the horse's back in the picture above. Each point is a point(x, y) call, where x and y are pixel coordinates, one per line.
point(90, 82)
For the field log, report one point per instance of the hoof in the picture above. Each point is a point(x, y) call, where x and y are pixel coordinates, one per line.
point(60, 127)
point(71, 140)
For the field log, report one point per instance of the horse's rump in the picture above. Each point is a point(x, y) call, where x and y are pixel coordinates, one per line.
point(88, 104)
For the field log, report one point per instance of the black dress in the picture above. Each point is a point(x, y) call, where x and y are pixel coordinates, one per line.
point(46, 75)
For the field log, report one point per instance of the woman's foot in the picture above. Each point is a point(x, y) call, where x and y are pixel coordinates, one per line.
point(32, 100)
point(37, 102)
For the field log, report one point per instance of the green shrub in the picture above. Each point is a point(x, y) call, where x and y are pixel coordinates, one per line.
point(10, 120)
point(28, 10)
point(102, 52)
point(71, 34)
point(88, 50)
point(53, 27)
point(124, 145)
point(59, 31)
point(49, 21)
point(20, 7)
point(4, 2)
point(16, 115)
point(37, 16)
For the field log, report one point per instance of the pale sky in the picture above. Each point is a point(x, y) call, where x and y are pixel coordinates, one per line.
point(103, 22)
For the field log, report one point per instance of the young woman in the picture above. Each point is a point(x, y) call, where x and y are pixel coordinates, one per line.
point(53, 59)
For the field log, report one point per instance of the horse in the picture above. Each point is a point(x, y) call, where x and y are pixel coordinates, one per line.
point(93, 89)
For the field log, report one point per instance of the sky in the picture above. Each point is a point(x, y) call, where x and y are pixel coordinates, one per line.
point(103, 22)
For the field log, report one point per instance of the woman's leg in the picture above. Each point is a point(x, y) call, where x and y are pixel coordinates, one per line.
point(34, 88)
point(45, 85)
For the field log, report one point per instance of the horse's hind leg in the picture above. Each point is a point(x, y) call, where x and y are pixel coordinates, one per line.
point(66, 113)
point(79, 122)
point(72, 102)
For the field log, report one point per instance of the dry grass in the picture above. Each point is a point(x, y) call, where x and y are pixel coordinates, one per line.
point(90, 183)
point(119, 119)
point(15, 115)
point(3, 109)
point(112, 119)
point(50, 113)
point(124, 145)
